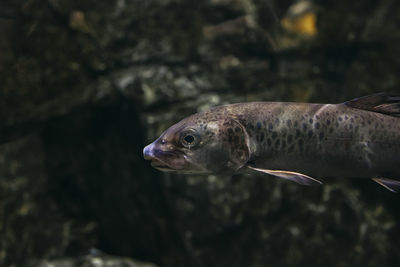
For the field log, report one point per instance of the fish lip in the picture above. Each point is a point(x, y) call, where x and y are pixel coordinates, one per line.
point(159, 164)
point(164, 166)
point(164, 160)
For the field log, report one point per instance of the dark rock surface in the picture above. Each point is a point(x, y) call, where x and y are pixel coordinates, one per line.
point(90, 261)
point(84, 85)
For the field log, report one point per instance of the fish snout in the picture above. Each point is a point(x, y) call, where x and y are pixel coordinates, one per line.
point(148, 152)
point(164, 160)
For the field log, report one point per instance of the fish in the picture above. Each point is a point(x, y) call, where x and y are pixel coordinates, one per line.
point(300, 142)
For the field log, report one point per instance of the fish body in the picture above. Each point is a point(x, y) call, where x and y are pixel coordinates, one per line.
point(301, 142)
point(320, 140)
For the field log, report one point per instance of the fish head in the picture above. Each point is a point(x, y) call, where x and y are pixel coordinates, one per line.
point(200, 145)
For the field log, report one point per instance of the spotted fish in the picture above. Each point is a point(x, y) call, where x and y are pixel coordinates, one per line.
point(301, 142)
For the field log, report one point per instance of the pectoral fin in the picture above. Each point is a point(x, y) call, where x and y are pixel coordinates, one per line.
point(288, 175)
point(389, 184)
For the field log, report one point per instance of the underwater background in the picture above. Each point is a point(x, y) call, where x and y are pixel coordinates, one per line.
point(85, 85)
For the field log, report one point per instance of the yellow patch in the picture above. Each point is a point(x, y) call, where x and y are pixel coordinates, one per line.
point(305, 24)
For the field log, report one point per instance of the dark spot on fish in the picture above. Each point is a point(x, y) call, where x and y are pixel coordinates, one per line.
point(321, 135)
point(304, 126)
point(301, 143)
point(296, 124)
point(317, 125)
point(297, 133)
point(283, 144)
point(264, 122)
point(289, 123)
point(274, 135)
point(270, 126)
point(290, 138)
point(310, 133)
point(259, 125)
point(369, 122)
point(340, 119)
point(262, 137)
point(291, 148)
point(317, 117)
point(277, 143)
point(352, 120)
point(236, 139)
point(346, 117)
point(351, 126)
point(237, 129)
point(269, 142)
point(230, 139)
point(328, 122)
point(311, 121)
point(336, 124)
point(230, 131)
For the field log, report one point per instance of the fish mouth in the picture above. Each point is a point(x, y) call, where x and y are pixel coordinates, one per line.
point(160, 165)
point(164, 160)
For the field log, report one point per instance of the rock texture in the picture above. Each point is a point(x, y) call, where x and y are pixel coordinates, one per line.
point(91, 260)
point(84, 85)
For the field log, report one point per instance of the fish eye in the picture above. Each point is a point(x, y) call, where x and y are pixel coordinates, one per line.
point(189, 139)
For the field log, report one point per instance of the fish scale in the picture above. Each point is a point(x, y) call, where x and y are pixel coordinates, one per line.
point(324, 134)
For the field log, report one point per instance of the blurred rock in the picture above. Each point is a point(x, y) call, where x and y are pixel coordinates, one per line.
point(300, 22)
point(91, 261)
point(33, 223)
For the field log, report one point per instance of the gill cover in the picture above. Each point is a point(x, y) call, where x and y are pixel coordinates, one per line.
point(235, 144)
point(224, 146)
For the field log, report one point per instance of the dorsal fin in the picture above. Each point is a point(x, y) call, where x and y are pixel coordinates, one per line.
point(384, 103)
